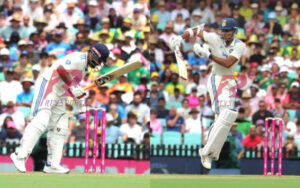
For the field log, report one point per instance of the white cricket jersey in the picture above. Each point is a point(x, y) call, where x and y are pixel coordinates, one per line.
point(74, 63)
point(218, 48)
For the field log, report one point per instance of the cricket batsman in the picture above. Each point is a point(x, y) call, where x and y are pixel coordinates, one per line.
point(51, 91)
point(225, 51)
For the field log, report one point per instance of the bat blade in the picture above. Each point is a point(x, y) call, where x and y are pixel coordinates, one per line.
point(181, 64)
point(105, 78)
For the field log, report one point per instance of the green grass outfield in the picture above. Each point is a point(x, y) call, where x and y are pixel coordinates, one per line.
point(72, 180)
point(224, 181)
point(81, 180)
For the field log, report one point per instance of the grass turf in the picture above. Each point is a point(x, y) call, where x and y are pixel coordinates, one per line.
point(223, 181)
point(73, 180)
point(81, 180)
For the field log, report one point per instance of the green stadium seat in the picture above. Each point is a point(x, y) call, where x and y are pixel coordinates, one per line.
point(156, 134)
point(176, 104)
point(120, 140)
point(77, 151)
point(171, 138)
point(71, 150)
point(292, 114)
point(192, 139)
point(163, 122)
point(297, 142)
point(155, 140)
point(292, 75)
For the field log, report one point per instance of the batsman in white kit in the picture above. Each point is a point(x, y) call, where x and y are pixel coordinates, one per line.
point(225, 51)
point(51, 91)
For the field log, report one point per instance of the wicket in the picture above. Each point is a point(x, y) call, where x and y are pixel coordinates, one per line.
point(274, 120)
point(95, 144)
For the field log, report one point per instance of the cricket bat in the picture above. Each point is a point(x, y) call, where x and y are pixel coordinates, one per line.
point(181, 64)
point(103, 79)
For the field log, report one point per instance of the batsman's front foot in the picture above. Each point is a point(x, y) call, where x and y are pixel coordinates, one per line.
point(19, 163)
point(205, 160)
point(56, 170)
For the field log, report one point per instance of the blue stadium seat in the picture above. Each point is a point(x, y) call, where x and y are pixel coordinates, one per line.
point(71, 151)
point(155, 140)
point(298, 144)
point(171, 138)
point(176, 104)
point(192, 139)
point(292, 114)
point(156, 134)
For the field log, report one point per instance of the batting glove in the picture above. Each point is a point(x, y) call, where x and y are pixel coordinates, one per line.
point(174, 42)
point(202, 50)
point(77, 91)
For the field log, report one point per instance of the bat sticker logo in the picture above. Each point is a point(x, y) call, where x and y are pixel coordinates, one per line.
point(104, 80)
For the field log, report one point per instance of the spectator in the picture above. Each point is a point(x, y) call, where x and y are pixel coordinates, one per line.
point(141, 110)
point(138, 19)
point(194, 124)
point(289, 127)
point(155, 124)
point(290, 147)
point(168, 32)
point(297, 133)
point(262, 112)
point(131, 130)
point(10, 135)
point(175, 121)
point(174, 83)
point(70, 17)
point(17, 116)
point(179, 10)
point(112, 132)
point(206, 12)
point(6, 32)
point(25, 98)
point(237, 134)
point(238, 17)
point(252, 140)
point(155, 95)
point(177, 97)
point(58, 45)
point(260, 125)
point(193, 99)
point(243, 122)
point(14, 87)
point(5, 62)
point(114, 19)
point(117, 119)
point(204, 110)
point(78, 132)
point(292, 98)
point(163, 14)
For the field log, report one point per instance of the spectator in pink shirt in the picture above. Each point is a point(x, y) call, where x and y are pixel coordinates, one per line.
point(124, 9)
point(270, 99)
point(69, 18)
point(155, 124)
point(193, 98)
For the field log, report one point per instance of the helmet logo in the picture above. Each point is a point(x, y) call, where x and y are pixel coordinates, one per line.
point(224, 23)
point(99, 55)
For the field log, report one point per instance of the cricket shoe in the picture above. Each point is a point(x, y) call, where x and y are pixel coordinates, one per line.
point(205, 160)
point(56, 170)
point(19, 163)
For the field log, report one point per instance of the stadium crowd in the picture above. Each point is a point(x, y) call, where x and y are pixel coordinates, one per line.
point(35, 33)
point(268, 73)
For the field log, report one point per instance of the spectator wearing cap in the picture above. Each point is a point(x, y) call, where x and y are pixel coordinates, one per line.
point(92, 18)
point(238, 17)
point(139, 20)
point(117, 119)
point(104, 36)
point(175, 122)
point(105, 26)
point(155, 94)
point(206, 12)
point(196, 18)
point(109, 66)
point(117, 53)
point(245, 10)
point(34, 10)
point(279, 15)
point(174, 83)
point(290, 147)
point(70, 17)
point(25, 98)
point(155, 124)
point(5, 62)
point(112, 132)
point(14, 87)
point(6, 32)
point(204, 75)
point(131, 130)
point(32, 53)
point(265, 79)
point(194, 124)
point(254, 100)
point(50, 18)
point(78, 132)
point(125, 8)
point(156, 55)
point(162, 112)
point(163, 14)
point(16, 115)
point(294, 44)
point(293, 13)
point(5, 7)
point(103, 8)
point(179, 24)
point(114, 19)
point(24, 66)
point(284, 78)
point(252, 140)
point(272, 26)
point(292, 98)
point(262, 112)
point(141, 110)
point(243, 122)
point(11, 135)
point(180, 9)
point(40, 24)
point(58, 45)
point(134, 77)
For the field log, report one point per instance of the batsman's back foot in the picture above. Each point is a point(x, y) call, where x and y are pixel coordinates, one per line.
point(19, 163)
point(205, 160)
point(56, 170)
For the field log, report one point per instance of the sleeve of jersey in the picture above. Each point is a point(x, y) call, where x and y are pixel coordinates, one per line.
point(208, 37)
point(239, 50)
